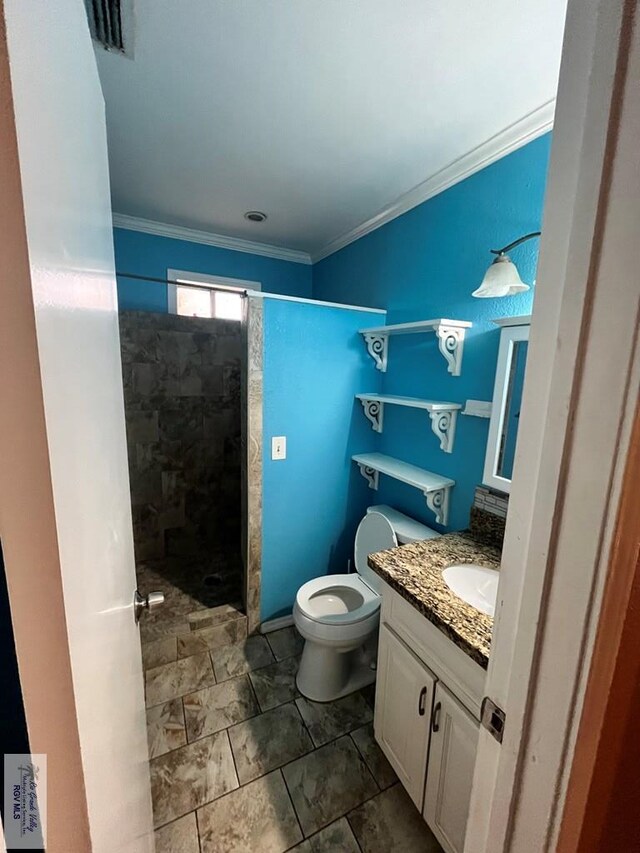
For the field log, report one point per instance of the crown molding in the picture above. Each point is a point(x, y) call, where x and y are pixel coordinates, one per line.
point(509, 139)
point(236, 244)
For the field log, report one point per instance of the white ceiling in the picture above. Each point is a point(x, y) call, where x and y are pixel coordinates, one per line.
point(321, 113)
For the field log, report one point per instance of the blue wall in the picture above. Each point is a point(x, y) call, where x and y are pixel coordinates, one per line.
point(314, 363)
point(147, 254)
point(425, 264)
point(421, 265)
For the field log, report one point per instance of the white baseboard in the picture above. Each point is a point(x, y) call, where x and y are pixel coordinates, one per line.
point(276, 624)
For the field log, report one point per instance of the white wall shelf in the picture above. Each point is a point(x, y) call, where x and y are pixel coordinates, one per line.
point(442, 415)
point(521, 320)
point(434, 487)
point(450, 334)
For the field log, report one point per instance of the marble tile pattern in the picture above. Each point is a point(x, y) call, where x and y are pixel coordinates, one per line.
point(326, 784)
point(218, 707)
point(268, 741)
point(328, 720)
point(257, 817)
point(165, 727)
point(181, 836)
point(390, 822)
point(253, 774)
point(415, 572)
point(157, 652)
point(195, 642)
point(212, 616)
point(230, 661)
point(181, 378)
point(285, 642)
point(189, 777)
point(252, 461)
point(150, 632)
point(275, 684)
point(333, 838)
point(381, 770)
point(175, 679)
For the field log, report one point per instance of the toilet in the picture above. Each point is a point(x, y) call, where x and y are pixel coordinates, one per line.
point(338, 615)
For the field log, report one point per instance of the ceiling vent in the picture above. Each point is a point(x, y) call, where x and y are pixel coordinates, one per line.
point(105, 23)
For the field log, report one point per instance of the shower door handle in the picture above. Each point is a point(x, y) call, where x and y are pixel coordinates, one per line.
point(148, 602)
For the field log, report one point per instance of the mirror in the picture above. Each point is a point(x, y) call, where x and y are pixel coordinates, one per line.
point(513, 401)
point(505, 413)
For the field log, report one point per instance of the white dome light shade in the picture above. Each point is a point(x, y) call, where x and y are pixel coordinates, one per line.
point(501, 279)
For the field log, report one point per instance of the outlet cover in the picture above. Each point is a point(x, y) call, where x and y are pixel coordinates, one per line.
point(279, 447)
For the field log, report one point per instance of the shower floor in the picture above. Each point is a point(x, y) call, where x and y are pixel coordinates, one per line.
point(190, 586)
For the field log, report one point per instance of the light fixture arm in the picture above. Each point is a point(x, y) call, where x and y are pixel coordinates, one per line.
point(515, 243)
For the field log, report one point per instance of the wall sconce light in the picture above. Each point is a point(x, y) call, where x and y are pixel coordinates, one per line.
point(502, 278)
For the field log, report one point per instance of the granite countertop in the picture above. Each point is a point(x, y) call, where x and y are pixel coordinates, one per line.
point(415, 572)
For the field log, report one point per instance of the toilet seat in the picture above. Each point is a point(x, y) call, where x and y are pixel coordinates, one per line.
point(337, 600)
point(349, 599)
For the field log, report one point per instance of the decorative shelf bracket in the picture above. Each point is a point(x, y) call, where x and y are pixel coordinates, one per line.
point(438, 503)
point(450, 335)
point(377, 347)
point(434, 487)
point(374, 411)
point(443, 425)
point(371, 475)
point(443, 415)
point(451, 344)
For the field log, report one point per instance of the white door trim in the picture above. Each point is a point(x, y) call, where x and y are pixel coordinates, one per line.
point(578, 405)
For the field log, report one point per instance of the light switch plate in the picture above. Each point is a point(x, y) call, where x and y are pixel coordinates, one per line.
point(279, 447)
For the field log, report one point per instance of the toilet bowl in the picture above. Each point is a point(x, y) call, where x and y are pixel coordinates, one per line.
point(338, 615)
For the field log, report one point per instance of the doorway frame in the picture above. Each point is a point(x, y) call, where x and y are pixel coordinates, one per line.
point(574, 438)
point(603, 784)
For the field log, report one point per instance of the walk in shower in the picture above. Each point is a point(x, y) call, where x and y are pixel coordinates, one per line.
point(182, 388)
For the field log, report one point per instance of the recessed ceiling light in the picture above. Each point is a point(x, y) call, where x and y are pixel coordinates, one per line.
point(255, 216)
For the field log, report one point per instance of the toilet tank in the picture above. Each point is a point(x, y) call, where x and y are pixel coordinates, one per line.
point(407, 529)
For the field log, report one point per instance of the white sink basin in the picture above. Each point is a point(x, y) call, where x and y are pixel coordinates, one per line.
point(476, 585)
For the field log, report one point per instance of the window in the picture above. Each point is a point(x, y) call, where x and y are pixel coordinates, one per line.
point(194, 296)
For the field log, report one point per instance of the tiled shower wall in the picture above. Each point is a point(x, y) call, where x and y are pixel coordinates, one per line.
point(182, 403)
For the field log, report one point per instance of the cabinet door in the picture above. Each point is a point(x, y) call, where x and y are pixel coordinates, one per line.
point(404, 696)
point(454, 739)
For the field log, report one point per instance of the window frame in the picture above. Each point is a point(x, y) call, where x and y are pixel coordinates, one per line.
point(176, 278)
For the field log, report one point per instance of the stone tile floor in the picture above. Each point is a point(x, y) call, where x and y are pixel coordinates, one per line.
point(242, 763)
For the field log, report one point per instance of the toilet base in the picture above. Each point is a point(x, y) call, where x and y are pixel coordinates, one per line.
point(326, 674)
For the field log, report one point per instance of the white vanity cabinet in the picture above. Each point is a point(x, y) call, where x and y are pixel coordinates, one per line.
point(404, 701)
point(427, 711)
point(452, 756)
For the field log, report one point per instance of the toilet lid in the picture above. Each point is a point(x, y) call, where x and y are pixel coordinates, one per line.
point(374, 533)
